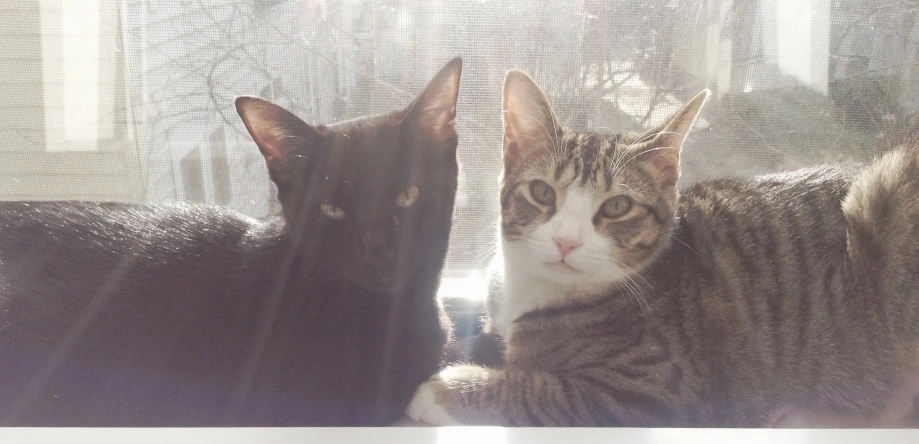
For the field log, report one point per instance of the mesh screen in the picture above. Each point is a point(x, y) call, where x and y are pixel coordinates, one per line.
point(132, 100)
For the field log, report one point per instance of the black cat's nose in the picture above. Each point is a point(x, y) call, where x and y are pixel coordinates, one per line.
point(375, 245)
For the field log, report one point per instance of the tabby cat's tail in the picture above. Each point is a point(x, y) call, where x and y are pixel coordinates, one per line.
point(882, 217)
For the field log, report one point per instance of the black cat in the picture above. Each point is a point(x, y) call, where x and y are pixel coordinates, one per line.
point(193, 315)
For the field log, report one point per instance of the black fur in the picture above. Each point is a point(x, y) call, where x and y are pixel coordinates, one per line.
point(192, 315)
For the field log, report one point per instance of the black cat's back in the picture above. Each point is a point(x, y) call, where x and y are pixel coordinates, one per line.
point(192, 315)
point(62, 257)
point(127, 292)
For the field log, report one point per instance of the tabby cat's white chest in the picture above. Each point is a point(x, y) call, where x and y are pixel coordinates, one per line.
point(521, 294)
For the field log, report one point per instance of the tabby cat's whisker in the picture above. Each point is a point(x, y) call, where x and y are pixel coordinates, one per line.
point(636, 293)
point(646, 152)
point(684, 243)
point(618, 165)
point(542, 144)
point(553, 135)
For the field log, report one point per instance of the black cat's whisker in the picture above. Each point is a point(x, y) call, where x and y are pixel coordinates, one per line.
point(301, 156)
point(292, 136)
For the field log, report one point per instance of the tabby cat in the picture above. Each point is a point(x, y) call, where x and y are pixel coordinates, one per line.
point(192, 315)
point(743, 300)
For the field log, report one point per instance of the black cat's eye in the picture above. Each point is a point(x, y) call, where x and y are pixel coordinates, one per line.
point(332, 212)
point(616, 207)
point(542, 192)
point(408, 197)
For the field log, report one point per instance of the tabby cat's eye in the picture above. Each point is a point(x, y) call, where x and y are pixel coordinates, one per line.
point(408, 197)
point(332, 212)
point(616, 207)
point(542, 192)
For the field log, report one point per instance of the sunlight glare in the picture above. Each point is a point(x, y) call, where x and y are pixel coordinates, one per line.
point(473, 287)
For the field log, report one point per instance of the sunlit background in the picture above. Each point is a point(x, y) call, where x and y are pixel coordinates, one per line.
point(132, 100)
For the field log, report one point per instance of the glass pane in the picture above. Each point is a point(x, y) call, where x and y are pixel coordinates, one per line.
point(132, 100)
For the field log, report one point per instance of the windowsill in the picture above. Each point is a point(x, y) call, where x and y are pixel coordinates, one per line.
point(457, 435)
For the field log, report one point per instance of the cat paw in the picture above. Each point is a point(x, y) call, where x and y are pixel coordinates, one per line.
point(424, 407)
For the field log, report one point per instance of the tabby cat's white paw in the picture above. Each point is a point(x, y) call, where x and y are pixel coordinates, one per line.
point(424, 408)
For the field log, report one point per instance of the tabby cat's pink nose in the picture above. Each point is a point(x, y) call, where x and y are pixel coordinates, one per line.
point(566, 245)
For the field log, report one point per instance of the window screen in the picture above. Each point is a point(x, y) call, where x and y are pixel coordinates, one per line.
point(131, 100)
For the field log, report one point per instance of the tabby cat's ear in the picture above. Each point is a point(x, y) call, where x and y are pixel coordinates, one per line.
point(278, 133)
point(433, 114)
point(529, 122)
point(662, 144)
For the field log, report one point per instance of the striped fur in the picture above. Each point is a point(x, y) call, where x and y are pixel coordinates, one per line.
point(744, 300)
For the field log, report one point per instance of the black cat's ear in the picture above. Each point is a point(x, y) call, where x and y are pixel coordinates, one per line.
point(529, 122)
point(278, 133)
point(662, 144)
point(433, 113)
